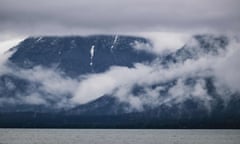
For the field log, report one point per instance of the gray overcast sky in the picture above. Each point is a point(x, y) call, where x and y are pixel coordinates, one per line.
point(169, 19)
point(50, 17)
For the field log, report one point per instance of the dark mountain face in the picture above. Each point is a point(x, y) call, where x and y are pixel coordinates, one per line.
point(189, 101)
point(73, 54)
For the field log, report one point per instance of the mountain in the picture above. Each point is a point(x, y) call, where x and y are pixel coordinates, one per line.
point(72, 54)
point(46, 78)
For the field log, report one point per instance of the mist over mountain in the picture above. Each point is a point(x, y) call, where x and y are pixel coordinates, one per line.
point(115, 81)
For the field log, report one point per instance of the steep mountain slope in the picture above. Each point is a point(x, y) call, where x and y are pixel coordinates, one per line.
point(48, 76)
point(73, 54)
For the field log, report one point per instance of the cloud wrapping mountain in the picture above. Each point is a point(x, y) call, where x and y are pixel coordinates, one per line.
point(148, 84)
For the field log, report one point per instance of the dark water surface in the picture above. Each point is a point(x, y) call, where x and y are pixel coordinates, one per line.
point(117, 136)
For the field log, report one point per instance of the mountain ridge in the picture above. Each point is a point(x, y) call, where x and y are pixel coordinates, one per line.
point(91, 56)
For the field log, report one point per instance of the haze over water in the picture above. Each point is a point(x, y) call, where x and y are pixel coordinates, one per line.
point(114, 136)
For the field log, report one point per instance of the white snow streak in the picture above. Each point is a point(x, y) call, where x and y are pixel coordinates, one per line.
point(114, 42)
point(39, 39)
point(92, 54)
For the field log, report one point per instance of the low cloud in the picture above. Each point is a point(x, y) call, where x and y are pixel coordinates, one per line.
point(161, 42)
point(170, 83)
point(114, 83)
point(5, 45)
point(228, 69)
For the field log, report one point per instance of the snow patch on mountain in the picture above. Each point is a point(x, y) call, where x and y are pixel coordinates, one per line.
point(39, 39)
point(92, 54)
point(114, 42)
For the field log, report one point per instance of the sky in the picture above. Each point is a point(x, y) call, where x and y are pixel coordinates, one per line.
point(149, 18)
point(168, 23)
point(79, 17)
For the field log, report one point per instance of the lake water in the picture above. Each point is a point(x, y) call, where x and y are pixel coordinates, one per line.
point(115, 136)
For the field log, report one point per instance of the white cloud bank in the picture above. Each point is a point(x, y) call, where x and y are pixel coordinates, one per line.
point(5, 46)
point(162, 41)
point(120, 81)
